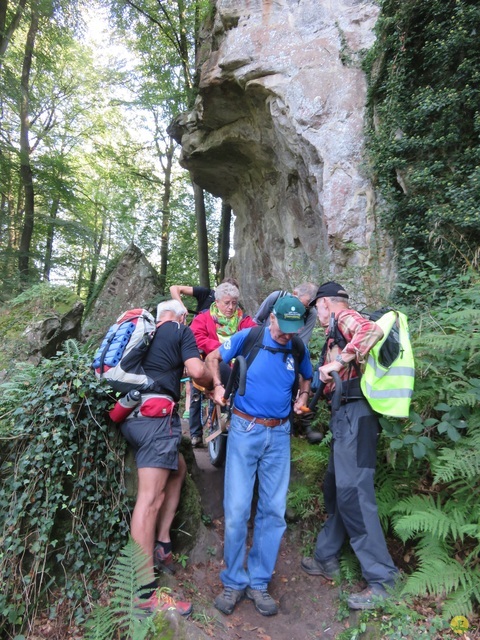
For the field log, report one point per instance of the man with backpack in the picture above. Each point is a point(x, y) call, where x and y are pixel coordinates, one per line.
point(153, 430)
point(305, 292)
point(348, 486)
point(259, 445)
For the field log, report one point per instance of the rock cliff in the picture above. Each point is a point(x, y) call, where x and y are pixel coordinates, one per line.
point(277, 130)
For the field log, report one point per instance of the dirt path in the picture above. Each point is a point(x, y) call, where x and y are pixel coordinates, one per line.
point(307, 605)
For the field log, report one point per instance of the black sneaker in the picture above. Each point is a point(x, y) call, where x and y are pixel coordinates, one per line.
point(329, 569)
point(163, 561)
point(313, 437)
point(263, 601)
point(227, 600)
point(369, 598)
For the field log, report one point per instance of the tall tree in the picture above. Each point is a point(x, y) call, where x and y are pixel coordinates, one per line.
point(25, 164)
point(7, 28)
point(224, 240)
point(167, 36)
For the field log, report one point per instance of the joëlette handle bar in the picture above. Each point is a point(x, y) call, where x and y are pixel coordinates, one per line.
point(337, 394)
point(237, 378)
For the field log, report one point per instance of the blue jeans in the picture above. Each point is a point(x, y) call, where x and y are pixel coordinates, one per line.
point(265, 452)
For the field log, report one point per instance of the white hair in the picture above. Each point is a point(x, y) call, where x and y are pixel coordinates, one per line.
point(306, 289)
point(171, 306)
point(226, 289)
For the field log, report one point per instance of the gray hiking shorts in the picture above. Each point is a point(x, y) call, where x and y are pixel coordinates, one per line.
point(154, 441)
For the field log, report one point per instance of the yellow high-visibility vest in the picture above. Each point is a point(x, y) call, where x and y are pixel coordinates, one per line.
point(389, 390)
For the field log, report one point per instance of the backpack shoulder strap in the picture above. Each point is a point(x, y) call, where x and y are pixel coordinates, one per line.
point(252, 343)
point(298, 349)
point(298, 353)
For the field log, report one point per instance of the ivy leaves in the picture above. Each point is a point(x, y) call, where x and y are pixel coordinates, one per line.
point(424, 147)
point(62, 489)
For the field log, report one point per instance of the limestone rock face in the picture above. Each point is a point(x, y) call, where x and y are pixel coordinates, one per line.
point(45, 337)
point(132, 283)
point(278, 131)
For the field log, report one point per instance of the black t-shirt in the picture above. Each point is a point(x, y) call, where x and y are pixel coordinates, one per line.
point(204, 296)
point(172, 344)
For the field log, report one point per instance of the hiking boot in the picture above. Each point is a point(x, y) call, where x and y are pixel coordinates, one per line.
point(329, 569)
point(369, 598)
point(162, 601)
point(313, 437)
point(263, 601)
point(163, 561)
point(227, 600)
point(197, 442)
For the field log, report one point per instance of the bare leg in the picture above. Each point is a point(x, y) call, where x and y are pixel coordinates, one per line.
point(188, 384)
point(151, 494)
point(171, 500)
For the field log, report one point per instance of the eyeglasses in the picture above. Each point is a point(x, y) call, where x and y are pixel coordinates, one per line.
point(230, 303)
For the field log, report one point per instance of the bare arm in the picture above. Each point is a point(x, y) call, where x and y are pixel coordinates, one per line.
point(177, 290)
point(212, 361)
point(303, 393)
point(198, 371)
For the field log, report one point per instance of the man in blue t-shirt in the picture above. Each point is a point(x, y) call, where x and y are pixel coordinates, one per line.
point(259, 446)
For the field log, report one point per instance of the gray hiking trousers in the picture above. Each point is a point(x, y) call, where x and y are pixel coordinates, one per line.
point(350, 495)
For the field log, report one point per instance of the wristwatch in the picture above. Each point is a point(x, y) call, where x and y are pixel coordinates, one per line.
point(341, 360)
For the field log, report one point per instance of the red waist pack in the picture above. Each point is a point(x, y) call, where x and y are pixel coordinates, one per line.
point(156, 406)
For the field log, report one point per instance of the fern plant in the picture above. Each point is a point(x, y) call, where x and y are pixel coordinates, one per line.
point(120, 616)
point(444, 523)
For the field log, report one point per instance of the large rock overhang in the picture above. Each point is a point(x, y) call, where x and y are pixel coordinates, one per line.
point(278, 132)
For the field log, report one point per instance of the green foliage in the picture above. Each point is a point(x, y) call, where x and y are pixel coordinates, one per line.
point(435, 505)
point(428, 471)
point(120, 616)
point(446, 340)
point(305, 496)
point(39, 302)
point(423, 144)
point(62, 488)
point(397, 620)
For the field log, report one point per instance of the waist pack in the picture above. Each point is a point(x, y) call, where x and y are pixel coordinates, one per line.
point(119, 357)
point(155, 406)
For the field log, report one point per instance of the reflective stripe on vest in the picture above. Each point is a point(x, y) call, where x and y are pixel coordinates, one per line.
point(389, 391)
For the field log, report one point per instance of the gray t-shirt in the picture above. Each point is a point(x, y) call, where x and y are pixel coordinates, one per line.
point(262, 316)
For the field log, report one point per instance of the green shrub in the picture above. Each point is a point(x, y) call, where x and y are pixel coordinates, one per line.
point(63, 512)
point(423, 142)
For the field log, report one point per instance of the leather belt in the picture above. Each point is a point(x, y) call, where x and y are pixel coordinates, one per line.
point(266, 422)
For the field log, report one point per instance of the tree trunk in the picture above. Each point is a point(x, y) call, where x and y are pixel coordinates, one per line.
point(81, 269)
point(183, 51)
point(25, 166)
point(97, 247)
point(166, 215)
point(47, 265)
point(7, 31)
point(224, 240)
point(202, 236)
